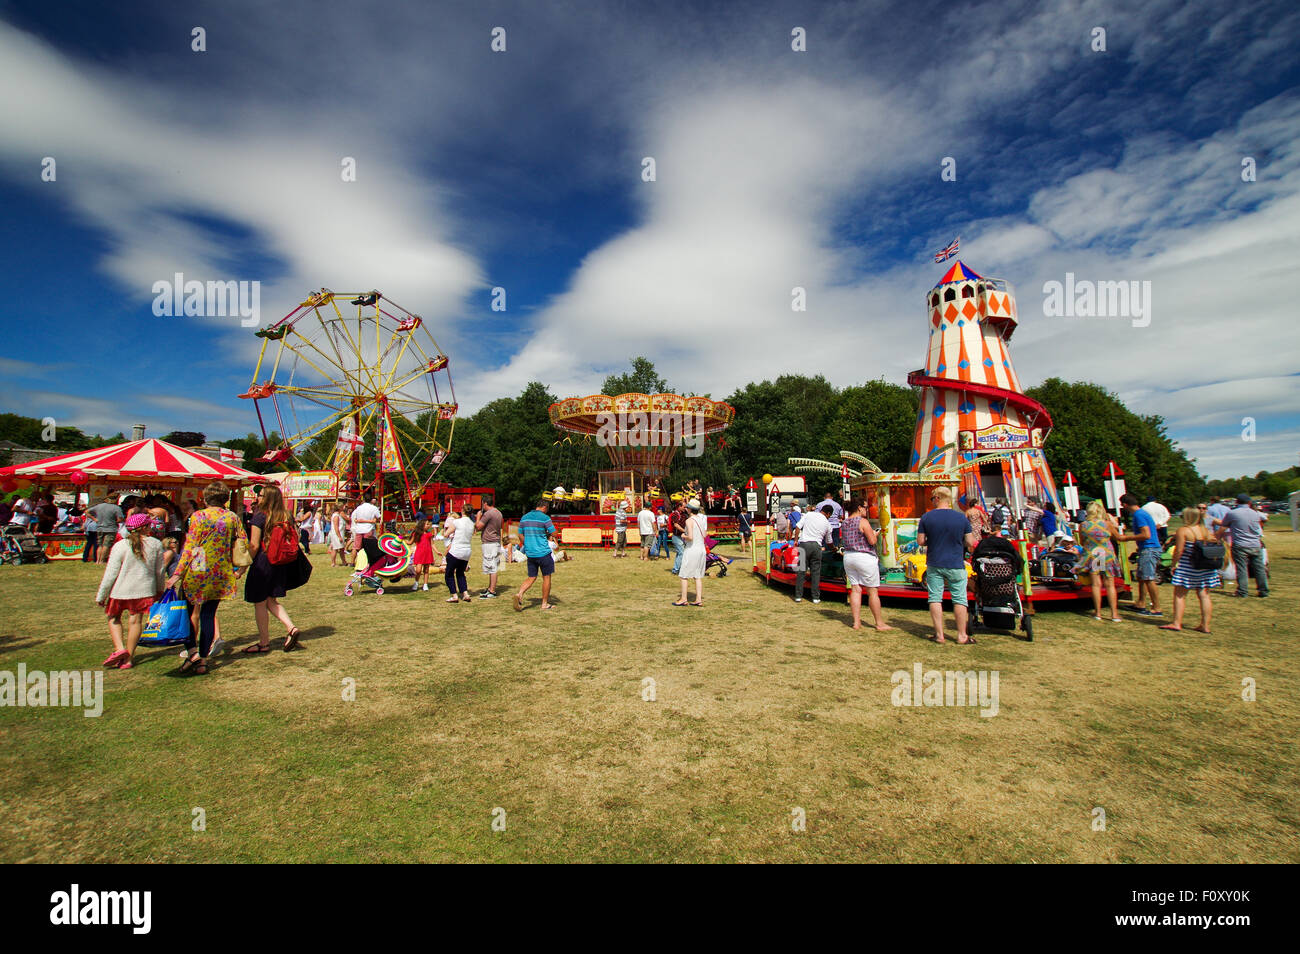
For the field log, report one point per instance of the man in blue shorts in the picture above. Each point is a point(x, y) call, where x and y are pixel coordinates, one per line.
point(1146, 535)
point(946, 533)
point(535, 531)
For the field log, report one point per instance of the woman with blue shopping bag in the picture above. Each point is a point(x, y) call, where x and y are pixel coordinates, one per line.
point(133, 580)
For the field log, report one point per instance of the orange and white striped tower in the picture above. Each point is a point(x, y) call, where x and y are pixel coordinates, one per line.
point(972, 404)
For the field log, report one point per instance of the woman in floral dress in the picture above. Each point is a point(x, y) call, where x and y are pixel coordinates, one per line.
point(206, 572)
point(1096, 531)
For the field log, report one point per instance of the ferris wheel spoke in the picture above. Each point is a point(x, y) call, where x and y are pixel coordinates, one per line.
point(302, 357)
point(326, 359)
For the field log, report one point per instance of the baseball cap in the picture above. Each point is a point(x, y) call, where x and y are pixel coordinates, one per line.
point(1243, 498)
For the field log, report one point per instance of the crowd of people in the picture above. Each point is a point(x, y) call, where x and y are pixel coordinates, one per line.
point(949, 534)
point(149, 544)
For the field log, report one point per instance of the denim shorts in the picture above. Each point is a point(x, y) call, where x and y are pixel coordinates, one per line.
point(1148, 563)
point(939, 577)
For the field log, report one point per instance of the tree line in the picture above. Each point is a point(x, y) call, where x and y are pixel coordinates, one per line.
point(510, 445)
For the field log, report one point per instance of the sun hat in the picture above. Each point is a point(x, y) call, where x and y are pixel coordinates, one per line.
point(693, 503)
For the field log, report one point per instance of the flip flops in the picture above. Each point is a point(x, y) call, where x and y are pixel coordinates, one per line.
point(256, 649)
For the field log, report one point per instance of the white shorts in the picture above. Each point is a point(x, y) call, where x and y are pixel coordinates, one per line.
point(491, 558)
point(861, 569)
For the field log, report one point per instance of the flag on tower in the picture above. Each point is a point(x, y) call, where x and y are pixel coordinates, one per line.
point(949, 251)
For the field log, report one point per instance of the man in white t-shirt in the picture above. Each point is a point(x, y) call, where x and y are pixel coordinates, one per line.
point(814, 532)
point(367, 520)
point(24, 513)
point(645, 526)
point(1160, 514)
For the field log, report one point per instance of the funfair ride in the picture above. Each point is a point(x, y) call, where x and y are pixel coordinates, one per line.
point(358, 391)
point(641, 433)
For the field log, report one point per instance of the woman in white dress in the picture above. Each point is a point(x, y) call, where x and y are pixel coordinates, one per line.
point(317, 527)
point(697, 526)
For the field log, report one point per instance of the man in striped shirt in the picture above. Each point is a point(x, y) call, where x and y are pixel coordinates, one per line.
point(535, 530)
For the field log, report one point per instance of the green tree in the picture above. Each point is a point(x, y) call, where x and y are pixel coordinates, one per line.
point(643, 379)
point(776, 420)
point(1091, 426)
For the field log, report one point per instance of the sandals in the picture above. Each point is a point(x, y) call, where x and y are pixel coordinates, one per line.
point(969, 641)
point(190, 662)
point(201, 669)
point(681, 603)
point(291, 641)
point(256, 649)
point(114, 659)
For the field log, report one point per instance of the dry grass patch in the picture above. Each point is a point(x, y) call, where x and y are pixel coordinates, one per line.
point(761, 706)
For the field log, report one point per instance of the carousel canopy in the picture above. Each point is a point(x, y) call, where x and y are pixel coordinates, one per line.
point(144, 461)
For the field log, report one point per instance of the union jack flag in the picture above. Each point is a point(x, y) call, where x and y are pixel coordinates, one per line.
point(349, 440)
point(950, 251)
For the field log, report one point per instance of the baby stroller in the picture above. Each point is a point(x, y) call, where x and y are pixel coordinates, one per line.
point(998, 605)
point(711, 559)
point(19, 545)
point(394, 560)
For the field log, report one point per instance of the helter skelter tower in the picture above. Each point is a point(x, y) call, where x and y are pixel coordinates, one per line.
point(972, 405)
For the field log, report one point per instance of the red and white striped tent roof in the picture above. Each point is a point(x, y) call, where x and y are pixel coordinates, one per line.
point(145, 461)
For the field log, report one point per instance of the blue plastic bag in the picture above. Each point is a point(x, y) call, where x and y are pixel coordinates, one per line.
point(168, 622)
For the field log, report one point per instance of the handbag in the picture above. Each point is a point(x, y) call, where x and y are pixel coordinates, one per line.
point(298, 572)
point(239, 555)
point(168, 622)
point(1207, 555)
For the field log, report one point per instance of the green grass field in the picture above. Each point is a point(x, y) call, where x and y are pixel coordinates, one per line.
point(761, 707)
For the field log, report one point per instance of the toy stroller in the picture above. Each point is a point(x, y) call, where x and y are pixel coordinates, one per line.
point(394, 560)
point(712, 559)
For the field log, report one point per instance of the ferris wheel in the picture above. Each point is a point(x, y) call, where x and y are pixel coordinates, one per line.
point(357, 385)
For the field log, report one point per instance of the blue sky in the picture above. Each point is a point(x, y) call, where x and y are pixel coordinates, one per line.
point(775, 169)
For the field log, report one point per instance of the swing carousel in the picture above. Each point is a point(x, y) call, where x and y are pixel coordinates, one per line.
point(640, 433)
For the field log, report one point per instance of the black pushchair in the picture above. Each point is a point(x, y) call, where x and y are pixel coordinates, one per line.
point(998, 604)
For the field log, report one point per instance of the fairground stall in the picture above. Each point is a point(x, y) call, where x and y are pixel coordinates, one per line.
point(147, 466)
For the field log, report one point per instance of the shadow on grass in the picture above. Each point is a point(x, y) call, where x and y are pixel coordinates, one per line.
point(233, 653)
point(10, 644)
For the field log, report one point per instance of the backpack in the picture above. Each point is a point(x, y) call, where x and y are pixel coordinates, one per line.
point(1207, 555)
point(282, 544)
